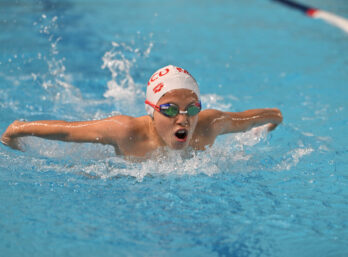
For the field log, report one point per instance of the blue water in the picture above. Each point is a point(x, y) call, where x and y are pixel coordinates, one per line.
point(251, 194)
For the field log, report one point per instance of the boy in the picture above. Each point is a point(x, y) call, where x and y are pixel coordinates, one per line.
point(175, 120)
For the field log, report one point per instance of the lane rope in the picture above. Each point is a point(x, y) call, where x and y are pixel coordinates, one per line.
point(329, 17)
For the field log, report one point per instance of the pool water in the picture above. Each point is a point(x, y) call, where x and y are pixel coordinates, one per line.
point(251, 194)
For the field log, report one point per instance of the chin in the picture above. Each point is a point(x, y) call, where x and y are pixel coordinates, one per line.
point(179, 145)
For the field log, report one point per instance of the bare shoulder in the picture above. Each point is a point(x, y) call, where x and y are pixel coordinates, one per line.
point(121, 118)
point(209, 114)
point(208, 120)
point(128, 126)
point(123, 122)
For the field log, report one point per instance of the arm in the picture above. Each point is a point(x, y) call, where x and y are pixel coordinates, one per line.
point(107, 131)
point(229, 122)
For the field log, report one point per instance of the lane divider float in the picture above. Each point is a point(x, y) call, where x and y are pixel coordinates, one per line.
point(331, 18)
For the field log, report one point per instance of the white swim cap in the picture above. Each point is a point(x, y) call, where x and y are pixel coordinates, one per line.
point(166, 79)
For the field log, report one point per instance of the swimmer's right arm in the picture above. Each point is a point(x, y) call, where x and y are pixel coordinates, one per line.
point(106, 131)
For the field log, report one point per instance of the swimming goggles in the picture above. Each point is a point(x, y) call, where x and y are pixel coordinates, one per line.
point(172, 110)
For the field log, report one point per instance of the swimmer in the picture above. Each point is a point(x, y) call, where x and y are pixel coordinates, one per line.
point(175, 120)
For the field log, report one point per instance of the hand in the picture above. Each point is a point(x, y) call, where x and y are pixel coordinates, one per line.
point(9, 138)
point(271, 126)
point(11, 142)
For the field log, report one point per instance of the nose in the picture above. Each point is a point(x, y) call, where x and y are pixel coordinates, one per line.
point(182, 119)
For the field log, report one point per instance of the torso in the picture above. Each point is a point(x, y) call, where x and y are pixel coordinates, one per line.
point(141, 143)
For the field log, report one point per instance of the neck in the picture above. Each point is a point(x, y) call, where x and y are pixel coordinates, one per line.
point(152, 133)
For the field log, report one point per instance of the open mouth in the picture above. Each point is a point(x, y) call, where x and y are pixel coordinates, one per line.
point(181, 135)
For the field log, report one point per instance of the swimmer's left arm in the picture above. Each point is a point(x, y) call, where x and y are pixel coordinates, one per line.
point(230, 122)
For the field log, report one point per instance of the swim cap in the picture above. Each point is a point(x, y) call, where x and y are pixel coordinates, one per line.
point(166, 79)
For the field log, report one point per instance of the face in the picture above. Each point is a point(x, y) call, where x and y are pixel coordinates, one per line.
point(176, 132)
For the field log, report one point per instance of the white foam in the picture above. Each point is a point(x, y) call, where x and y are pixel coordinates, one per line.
point(120, 61)
point(100, 161)
point(293, 158)
point(214, 101)
point(252, 137)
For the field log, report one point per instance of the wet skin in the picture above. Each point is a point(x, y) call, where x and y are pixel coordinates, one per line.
point(167, 127)
point(141, 136)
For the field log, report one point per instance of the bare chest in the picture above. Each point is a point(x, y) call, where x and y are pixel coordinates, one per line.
point(136, 148)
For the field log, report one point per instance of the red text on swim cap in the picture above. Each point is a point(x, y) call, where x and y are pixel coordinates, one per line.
point(158, 88)
point(157, 75)
point(182, 70)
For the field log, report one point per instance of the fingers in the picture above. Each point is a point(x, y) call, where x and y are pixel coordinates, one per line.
point(271, 126)
point(11, 142)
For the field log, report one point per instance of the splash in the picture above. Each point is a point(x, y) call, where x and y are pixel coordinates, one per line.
point(56, 78)
point(252, 137)
point(120, 61)
point(97, 161)
point(67, 98)
point(56, 82)
point(240, 153)
point(293, 157)
point(215, 101)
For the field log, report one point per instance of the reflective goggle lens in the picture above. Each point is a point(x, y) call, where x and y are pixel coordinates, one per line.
point(193, 110)
point(171, 110)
